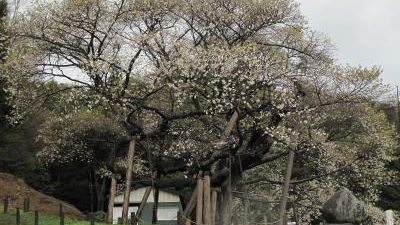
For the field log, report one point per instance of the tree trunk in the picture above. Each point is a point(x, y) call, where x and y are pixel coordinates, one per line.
point(91, 192)
point(113, 190)
point(285, 193)
point(226, 203)
point(100, 194)
point(226, 206)
point(231, 124)
point(128, 180)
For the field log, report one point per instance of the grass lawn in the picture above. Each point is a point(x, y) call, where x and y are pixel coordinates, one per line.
point(28, 218)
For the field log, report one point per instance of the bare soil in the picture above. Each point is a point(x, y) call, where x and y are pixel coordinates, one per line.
point(18, 190)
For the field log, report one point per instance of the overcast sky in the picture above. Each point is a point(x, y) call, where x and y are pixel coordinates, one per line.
point(365, 32)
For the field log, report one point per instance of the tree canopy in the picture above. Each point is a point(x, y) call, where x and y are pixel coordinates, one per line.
point(184, 63)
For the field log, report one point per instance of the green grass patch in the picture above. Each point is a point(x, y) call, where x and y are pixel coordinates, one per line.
point(28, 218)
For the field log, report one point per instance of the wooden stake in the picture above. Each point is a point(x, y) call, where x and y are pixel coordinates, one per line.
point(199, 204)
point(207, 200)
point(17, 217)
point(60, 210)
point(36, 222)
point(6, 202)
point(128, 179)
point(91, 218)
point(62, 218)
point(113, 190)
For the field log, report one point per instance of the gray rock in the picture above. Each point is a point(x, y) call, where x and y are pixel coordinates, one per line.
point(343, 207)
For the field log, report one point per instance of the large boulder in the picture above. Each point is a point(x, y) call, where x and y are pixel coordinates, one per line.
point(343, 207)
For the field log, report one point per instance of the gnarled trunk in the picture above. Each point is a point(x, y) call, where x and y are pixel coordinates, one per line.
point(226, 201)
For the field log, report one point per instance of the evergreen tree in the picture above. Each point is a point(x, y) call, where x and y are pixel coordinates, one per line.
point(3, 33)
point(17, 143)
point(4, 108)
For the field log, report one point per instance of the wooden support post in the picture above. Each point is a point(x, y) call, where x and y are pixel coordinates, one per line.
point(285, 192)
point(128, 179)
point(133, 218)
point(199, 204)
point(190, 206)
point(62, 218)
point(143, 202)
point(214, 196)
point(111, 199)
point(18, 217)
point(36, 217)
point(207, 200)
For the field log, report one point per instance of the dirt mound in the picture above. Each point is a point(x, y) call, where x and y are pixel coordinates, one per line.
point(18, 190)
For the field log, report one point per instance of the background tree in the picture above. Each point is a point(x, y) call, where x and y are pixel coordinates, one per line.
point(17, 140)
point(81, 145)
point(391, 191)
point(4, 108)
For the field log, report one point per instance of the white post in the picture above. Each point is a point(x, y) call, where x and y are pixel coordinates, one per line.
point(389, 217)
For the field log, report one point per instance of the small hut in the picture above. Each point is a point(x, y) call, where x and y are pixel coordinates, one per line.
point(168, 206)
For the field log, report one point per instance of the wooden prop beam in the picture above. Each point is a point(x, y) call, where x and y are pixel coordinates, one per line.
point(214, 196)
point(199, 204)
point(113, 190)
point(128, 178)
point(143, 202)
point(207, 200)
